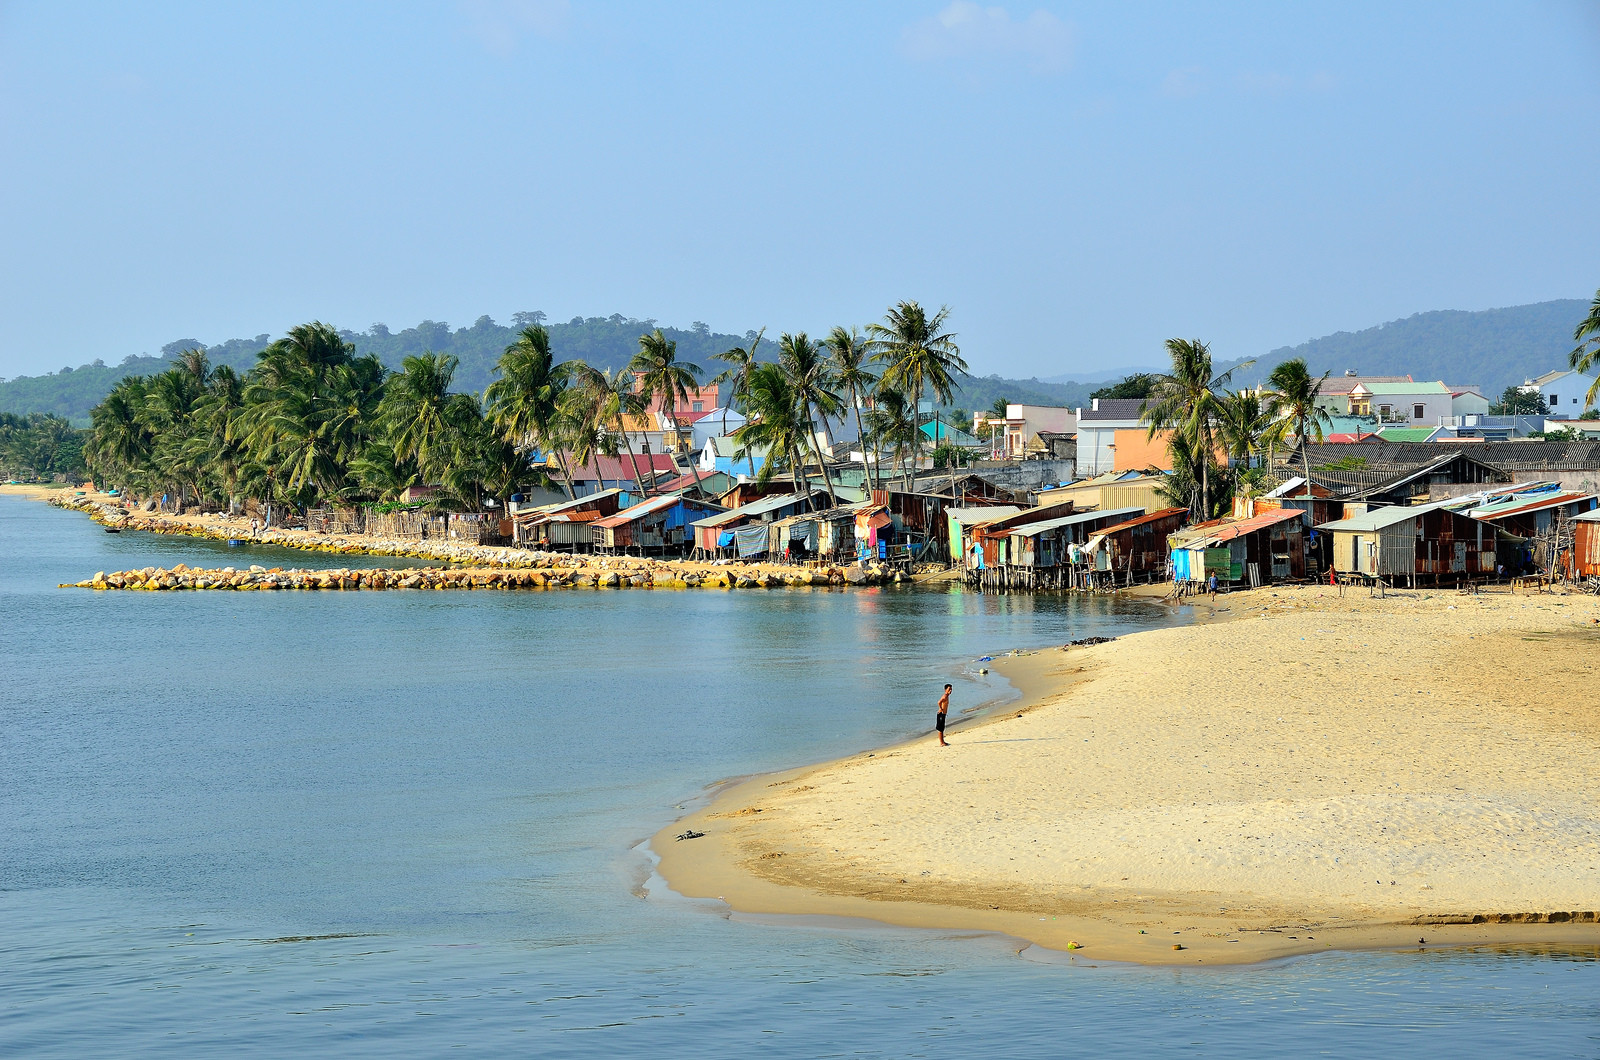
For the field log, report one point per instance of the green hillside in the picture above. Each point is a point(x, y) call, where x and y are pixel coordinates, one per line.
point(1495, 348)
point(1491, 347)
point(605, 342)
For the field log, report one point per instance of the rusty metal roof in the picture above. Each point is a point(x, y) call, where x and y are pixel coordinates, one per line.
point(1152, 517)
point(649, 507)
point(1221, 530)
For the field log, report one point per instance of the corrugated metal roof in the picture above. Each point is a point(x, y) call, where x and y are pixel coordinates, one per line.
point(1523, 505)
point(969, 516)
point(1033, 529)
point(649, 507)
point(1408, 434)
point(1221, 530)
point(1142, 519)
point(1588, 517)
point(771, 503)
point(1378, 518)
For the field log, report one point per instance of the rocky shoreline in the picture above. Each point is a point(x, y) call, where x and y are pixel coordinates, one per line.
point(469, 566)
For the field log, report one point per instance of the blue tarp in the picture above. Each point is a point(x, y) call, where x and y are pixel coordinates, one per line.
point(804, 531)
point(752, 540)
point(725, 539)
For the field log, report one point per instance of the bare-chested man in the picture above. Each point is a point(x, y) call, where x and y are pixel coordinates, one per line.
point(944, 707)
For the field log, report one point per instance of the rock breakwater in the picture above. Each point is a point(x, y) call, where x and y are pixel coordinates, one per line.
point(464, 566)
point(639, 576)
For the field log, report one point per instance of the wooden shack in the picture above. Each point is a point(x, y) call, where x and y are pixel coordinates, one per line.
point(1135, 549)
point(716, 534)
point(564, 527)
point(1048, 553)
point(1403, 543)
point(1263, 548)
point(1582, 560)
point(660, 524)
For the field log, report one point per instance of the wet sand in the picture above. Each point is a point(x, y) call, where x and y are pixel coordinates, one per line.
point(1319, 772)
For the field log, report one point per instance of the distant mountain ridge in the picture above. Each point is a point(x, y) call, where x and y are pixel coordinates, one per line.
point(1492, 347)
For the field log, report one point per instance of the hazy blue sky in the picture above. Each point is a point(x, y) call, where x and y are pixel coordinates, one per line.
point(1079, 182)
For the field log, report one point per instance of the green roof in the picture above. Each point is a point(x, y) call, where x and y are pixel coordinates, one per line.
point(1404, 389)
point(1407, 434)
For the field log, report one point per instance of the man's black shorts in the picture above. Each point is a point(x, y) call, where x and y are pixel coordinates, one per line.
point(939, 723)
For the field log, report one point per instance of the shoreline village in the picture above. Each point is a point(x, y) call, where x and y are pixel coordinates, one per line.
point(840, 462)
point(1368, 737)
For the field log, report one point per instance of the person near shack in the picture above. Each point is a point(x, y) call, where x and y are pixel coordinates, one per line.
point(944, 708)
point(1211, 586)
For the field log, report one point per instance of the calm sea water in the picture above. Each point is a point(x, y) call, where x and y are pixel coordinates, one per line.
point(406, 824)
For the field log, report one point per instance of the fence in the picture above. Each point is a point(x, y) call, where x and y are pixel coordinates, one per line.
point(469, 527)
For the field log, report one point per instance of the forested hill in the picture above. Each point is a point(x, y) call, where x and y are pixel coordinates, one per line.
point(1491, 347)
point(605, 342)
point(1495, 348)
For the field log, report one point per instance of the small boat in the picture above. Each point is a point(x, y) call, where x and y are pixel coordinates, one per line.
point(113, 529)
point(234, 542)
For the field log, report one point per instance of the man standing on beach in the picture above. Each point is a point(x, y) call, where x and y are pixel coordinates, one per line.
point(944, 706)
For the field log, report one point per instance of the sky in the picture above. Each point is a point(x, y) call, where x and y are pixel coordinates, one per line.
point(1078, 182)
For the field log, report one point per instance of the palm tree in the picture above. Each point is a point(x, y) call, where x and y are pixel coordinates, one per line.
point(776, 425)
point(920, 355)
point(585, 435)
point(851, 354)
point(525, 402)
point(120, 443)
point(1183, 487)
point(892, 423)
point(666, 379)
point(1185, 402)
point(1587, 351)
point(1242, 424)
point(601, 401)
point(422, 419)
point(811, 378)
point(1296, 395)
point(736, 377)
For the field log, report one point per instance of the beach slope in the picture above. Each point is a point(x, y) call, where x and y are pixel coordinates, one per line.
point(1320, 771)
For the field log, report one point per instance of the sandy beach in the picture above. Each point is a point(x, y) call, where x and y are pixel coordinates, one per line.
point(1314, 771)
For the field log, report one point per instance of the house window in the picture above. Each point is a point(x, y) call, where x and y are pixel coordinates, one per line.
point(698, 406)
point(1385, 411)
point(1418, 411)
point(1555, 399)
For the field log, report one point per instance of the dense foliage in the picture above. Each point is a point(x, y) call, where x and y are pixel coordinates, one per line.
point(604, 342)
point(39, 446)
point(1515, 401)
point(315, 420)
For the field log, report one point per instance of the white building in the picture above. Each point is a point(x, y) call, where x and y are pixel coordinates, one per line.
point(1564, 390)
point(1097, 432)
point(1468, 401)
